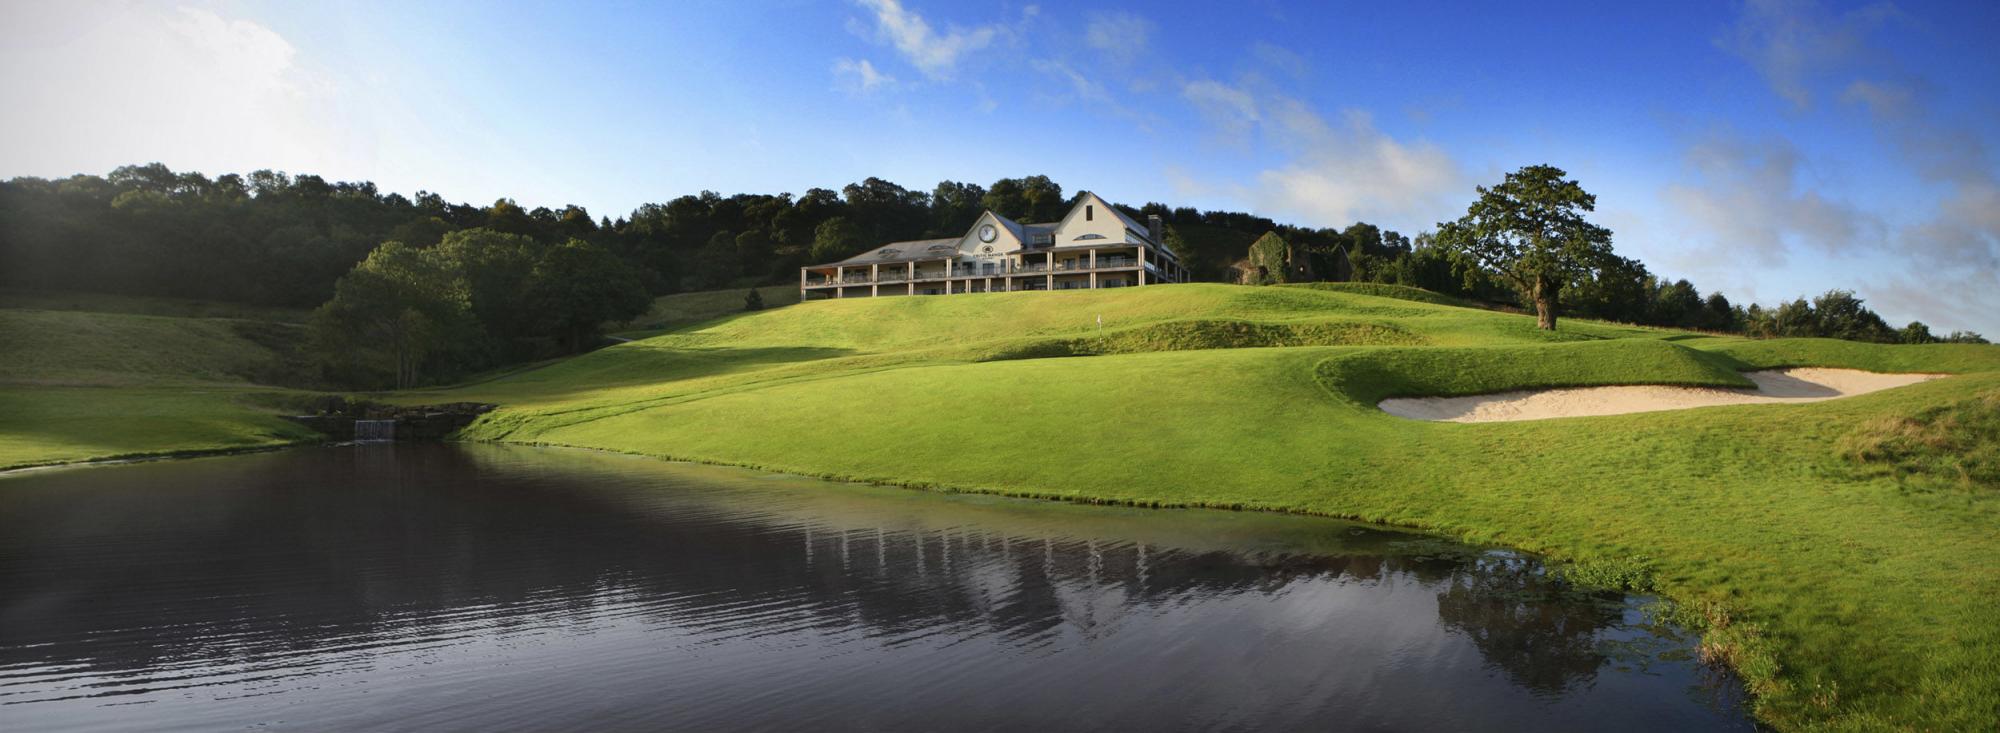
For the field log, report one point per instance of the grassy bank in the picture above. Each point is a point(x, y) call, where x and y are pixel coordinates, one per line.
point(53, 425)
point(79, 385)
point(90, 376)
point(1851, 593)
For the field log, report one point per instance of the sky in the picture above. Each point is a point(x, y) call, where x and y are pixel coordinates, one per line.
point(1767, 149)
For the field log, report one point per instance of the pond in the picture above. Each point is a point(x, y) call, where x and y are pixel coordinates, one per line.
point(479, 587)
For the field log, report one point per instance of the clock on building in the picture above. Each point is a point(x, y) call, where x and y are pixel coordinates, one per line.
point(987, 233)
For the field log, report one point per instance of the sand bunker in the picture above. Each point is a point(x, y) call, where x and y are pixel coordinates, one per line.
point(1777, 385)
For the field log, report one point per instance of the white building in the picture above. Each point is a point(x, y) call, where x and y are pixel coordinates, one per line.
point(1093, 246)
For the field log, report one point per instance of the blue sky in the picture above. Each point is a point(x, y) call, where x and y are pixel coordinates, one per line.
point(1764, 149)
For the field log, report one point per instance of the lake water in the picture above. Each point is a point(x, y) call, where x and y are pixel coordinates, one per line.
point(444, 587)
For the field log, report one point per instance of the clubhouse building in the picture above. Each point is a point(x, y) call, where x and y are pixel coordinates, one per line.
point(1094, 246)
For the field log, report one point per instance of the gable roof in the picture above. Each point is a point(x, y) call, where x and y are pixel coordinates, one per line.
point(1142, 229)
point(916, 249)
point(1019, 230)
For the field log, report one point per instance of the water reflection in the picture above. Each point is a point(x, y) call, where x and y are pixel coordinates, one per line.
point(488, 587)
point(1505, 606)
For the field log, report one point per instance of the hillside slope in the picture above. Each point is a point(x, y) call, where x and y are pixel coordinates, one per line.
point(1848, 598)
point(81, 385)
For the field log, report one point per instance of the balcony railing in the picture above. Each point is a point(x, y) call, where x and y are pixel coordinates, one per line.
point(1001, 269)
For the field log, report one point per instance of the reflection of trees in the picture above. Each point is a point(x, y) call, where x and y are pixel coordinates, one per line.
point(1544, 636)
point(262, 557)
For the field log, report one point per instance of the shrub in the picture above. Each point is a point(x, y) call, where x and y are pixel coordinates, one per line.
point(1956, 444)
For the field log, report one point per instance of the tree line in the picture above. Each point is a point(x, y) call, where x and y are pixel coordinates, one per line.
point(479, 298)
point(270, 238)
point(1528, 240)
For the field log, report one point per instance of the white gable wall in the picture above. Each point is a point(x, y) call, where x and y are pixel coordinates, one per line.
point(1093, 215)
point(1004, 241)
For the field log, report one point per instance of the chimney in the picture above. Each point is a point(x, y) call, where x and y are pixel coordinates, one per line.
point(1156, 229)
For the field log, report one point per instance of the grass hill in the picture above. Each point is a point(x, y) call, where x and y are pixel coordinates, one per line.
point(1840, 555)
point(1849, 593)
point(681, 309)
point(142, 377)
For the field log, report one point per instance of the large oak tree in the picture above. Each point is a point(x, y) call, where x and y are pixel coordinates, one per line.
point(1530, 230)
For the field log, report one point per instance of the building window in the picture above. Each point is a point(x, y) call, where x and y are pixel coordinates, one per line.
point(1089, 212)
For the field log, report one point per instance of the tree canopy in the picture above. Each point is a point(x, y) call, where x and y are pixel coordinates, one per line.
point(1530, 231)
point(406, 316)
point(393, 316)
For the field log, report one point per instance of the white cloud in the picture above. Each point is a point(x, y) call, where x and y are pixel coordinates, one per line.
point(1947, 259)
point(1336, 172)
point(1746, 199)
point(1348, 171)
point(860, 77)
point(1121, 36)
point(1082, 86)
point(1280, 58)
point(1793, 42)
point(935, 54)
point(1230, 109)
point(1964, 232)
point(1953, 254)
point(1948, 300)
point(1882, 98)
point(96, 87)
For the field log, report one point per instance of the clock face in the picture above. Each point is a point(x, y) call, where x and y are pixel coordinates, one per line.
point(987, 233)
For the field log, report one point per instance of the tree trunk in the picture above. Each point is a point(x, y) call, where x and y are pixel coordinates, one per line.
point(1545, 304)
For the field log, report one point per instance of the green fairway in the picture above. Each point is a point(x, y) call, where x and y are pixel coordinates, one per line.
point(1851, 592)
point(1841, 555)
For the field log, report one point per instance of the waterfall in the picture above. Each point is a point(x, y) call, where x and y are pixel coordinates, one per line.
point(370, 431)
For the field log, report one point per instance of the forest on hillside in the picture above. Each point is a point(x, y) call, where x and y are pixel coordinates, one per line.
point(269, 238)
